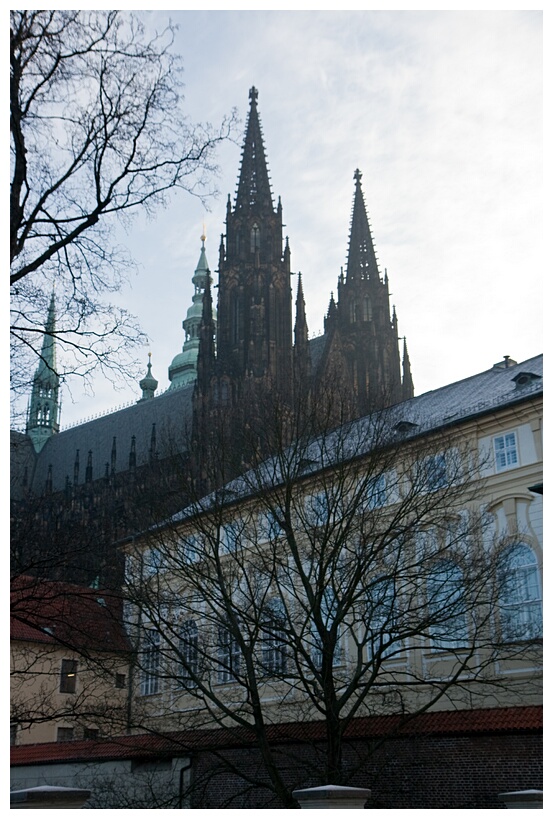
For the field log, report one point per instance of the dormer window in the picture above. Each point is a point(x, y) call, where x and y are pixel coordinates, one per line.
point(523, 379)
point(403, 427)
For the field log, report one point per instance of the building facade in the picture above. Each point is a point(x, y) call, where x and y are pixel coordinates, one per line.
point(398, 559)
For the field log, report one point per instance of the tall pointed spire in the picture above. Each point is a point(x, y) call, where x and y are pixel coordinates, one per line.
point(43, 420)
point(301, 333)
point(254, 308)
point(302, 355)
point(407, 387)
point(183, 368)
point(361, 255)
point(254, 188)
point(206, 340)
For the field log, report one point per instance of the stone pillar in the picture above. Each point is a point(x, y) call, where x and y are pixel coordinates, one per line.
point(48, 797)
point(334, 797)
point(522, 799)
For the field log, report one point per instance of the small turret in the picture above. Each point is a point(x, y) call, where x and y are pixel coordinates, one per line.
point(148, 384)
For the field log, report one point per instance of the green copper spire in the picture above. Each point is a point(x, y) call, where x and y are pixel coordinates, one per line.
point(183, 368)
point(44, 408)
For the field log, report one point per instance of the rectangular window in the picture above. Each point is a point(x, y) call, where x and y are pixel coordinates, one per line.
point(152, 562)
point(329, 612)
point(228, 654)
point(381, 619)
point(268, 527)
point(151, 656)
point(190, 548)
point(230, 535)
point(317, 509)
point(377, 492)
point(120, 680)
point(505, 451)
point(189, 653)
point(435, 472)
point(65, 734)
point(91, 733)
point(447, 608)
point(68, 676)
point(274, 639)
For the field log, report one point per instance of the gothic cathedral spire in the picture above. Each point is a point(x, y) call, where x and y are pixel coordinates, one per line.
point(369, 333)
point(254, 333)
point(362, 262)
point(43, 416)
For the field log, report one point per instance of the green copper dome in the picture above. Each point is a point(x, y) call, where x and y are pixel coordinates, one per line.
point(183, 367)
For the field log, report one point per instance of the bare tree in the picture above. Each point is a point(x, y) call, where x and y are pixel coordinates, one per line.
point(97, 132)
point(350, 574)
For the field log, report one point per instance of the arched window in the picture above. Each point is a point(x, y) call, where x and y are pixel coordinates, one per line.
point(189, 652)
point(520, 595)
point(447, 610)
point(255, 238)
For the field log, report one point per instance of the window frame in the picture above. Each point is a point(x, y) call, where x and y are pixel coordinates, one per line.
point(445, 575)
point(150, 653)
point(274, 646)
point(189, 651)
point(68, 676)
point(522, 611)
point(229, 655)
point(506, 451)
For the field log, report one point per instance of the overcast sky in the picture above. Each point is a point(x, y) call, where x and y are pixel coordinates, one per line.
point(441, 112)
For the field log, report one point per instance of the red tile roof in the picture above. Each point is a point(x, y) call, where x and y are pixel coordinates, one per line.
point(494, 720)
point(58, 613)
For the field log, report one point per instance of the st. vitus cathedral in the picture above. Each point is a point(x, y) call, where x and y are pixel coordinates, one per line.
point(250, 353)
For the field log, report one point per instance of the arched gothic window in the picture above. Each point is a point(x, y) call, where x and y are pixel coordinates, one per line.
point(255, 237)
point(520, 607)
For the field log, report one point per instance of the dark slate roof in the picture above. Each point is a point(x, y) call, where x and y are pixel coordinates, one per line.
point(171, 412)
point(479, 394)
point(316, 350)
point(463, 722)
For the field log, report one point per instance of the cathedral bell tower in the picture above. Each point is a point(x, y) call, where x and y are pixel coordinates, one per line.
point(254, 331)
point(369, 333)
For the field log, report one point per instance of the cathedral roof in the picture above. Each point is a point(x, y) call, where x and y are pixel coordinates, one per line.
point(171, 412)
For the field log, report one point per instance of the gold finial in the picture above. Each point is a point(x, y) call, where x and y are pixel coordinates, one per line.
point(202, 237)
